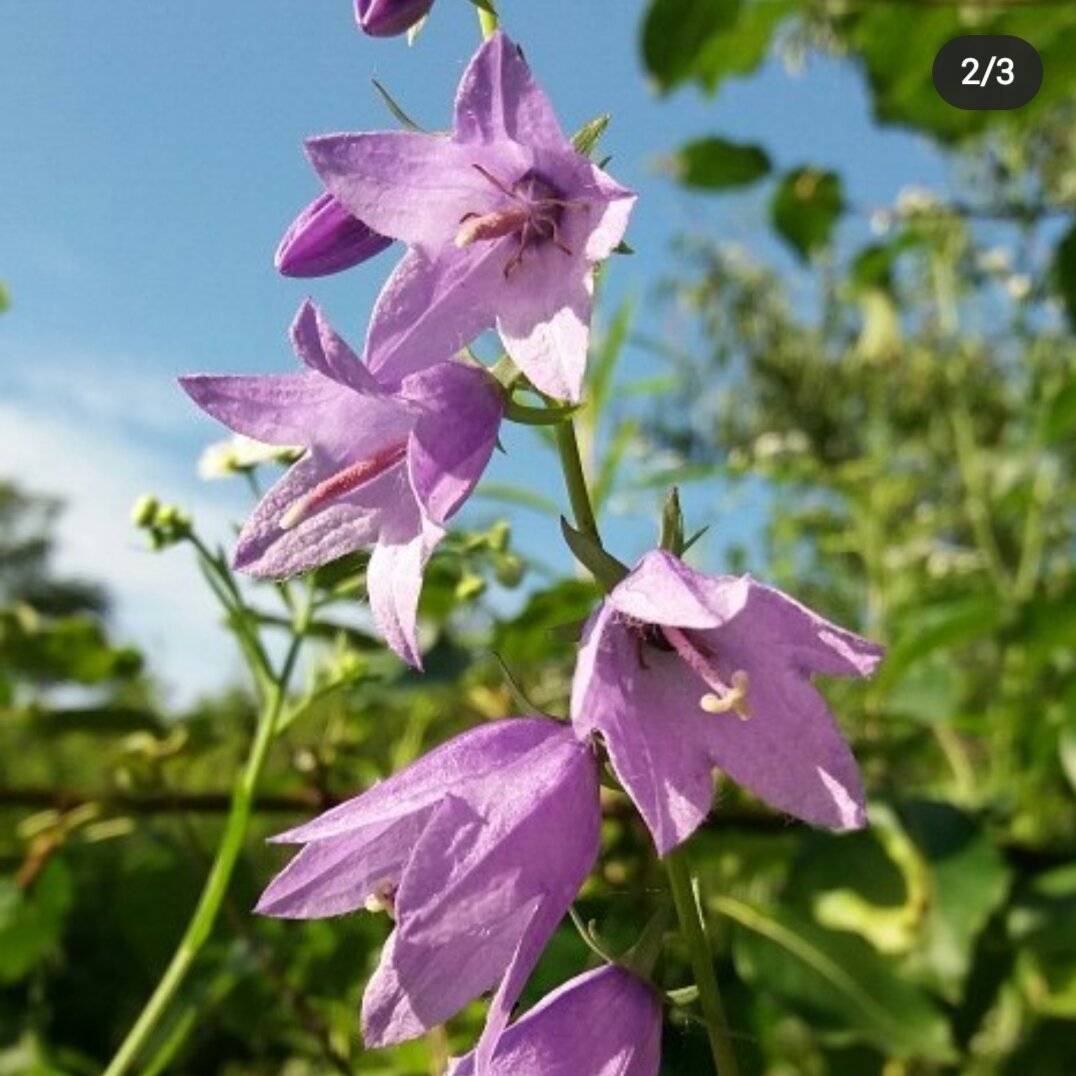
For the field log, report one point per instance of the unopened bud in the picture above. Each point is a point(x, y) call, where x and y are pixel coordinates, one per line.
point(325, 238)
point(510, 570)
point(386, 18)
point(469, 587)
point(144, 512)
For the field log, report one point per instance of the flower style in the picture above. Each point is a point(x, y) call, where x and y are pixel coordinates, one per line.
point(325, 238)
point(385, 18)
point(682, 672)
point(606, 1022)
point(476, 850)
point(383, 468)
point(504, 219)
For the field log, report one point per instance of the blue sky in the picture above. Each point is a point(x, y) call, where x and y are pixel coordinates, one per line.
point(152, 157)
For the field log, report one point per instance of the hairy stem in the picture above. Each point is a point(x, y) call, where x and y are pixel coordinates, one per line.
point(694, 930)
point(205, 914)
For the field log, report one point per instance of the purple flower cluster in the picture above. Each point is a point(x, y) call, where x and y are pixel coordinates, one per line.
point(477, 850)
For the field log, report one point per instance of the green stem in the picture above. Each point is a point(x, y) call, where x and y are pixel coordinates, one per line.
point(576, 480)
point(694, 931)
point(201, 924)
point(487, 19)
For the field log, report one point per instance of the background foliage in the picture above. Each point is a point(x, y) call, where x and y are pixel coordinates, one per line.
point(909, 403)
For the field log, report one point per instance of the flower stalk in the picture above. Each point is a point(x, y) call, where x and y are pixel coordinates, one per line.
point(200, 927)
point(487, 18)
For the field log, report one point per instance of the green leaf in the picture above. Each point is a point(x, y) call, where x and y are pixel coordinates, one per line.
point(838, 979)
point(806, 207)
point(31, 920)
point(716, 164)
point(605, 568)
point(5, 299)
point(676, 32)
point(1065, 272)
point(1043, 925)
point(390, 103)
point(1061, 418)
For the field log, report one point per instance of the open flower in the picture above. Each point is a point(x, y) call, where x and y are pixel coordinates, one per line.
point(383, 468)
point(683, 672)
point(325, 238)
point(505, 221)
point(476, 850)
point(606, 1022)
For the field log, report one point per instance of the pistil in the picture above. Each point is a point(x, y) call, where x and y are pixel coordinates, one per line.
point(721, 698)
point(345, 481)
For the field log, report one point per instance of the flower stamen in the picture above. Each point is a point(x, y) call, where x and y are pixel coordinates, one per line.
point(721, 698)
point(345, 481)
point(382, 898)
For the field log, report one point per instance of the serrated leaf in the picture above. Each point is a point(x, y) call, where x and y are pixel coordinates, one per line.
point(716, 164)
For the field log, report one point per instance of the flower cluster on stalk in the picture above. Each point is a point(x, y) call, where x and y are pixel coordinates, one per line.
point(477, 850)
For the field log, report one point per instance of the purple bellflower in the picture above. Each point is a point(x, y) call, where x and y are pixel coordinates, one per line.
point(606, 1022)
point(476, 850)
point(325, 238)
point(383, 468)
point(504, 219)
point(385, 18)
point(683, 672)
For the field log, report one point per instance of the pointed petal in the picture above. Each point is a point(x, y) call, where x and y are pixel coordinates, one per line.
point(411, 186)
point(333, 877)
point(657, 746)
point(605, 1022)
point(662, 589)
point(343, 525)
point(319, 346)
point(432, 307)
point(394, 576)
point(543, 317)
point(498, 98)
point(276, 409)
point(462, 407)
point(478, 756)
point(491, 880)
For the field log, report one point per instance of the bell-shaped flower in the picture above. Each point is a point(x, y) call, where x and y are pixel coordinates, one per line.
point(682, 672)
point(385, 18)
point(606, 1022)
point(504, 219)
point(476, 850)
point(383, 468)
point(325, 238)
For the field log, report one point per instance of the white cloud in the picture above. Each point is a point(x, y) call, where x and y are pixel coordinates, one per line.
point(98, 458)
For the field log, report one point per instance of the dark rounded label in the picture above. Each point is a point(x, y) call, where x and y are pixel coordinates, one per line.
point(987, 71)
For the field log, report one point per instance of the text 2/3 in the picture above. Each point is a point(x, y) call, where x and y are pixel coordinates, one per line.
point(987, 71)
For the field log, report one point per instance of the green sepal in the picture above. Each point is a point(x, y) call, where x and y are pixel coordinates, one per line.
point(586, 138)
point(539, 416)
point(606, 569)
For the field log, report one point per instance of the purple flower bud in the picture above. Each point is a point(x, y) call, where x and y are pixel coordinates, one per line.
point(604, 1023)
point(325, 238)
point(385, 18)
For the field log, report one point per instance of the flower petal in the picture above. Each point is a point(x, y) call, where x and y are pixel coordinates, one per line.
point(394, 575)
point(498, 99)
point(341, 526)
point(279, 409)
point(431, 307)
point(322, 349)
point(605, 1022)
point(662, 589)
point(543, 317)
point(411, 186)
point(462, 408)
point(657, 748)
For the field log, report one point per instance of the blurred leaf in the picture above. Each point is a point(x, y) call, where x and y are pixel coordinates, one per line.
point(1043, 923)
point(716, 164)
point(1061, 419)
point(612, 456)
point(968, 881)
point(31, 920)
point(603, 365)
point(836, 978)
point(676, 33)
point(1065, 270)
point(806, 207)
point(5, 299)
